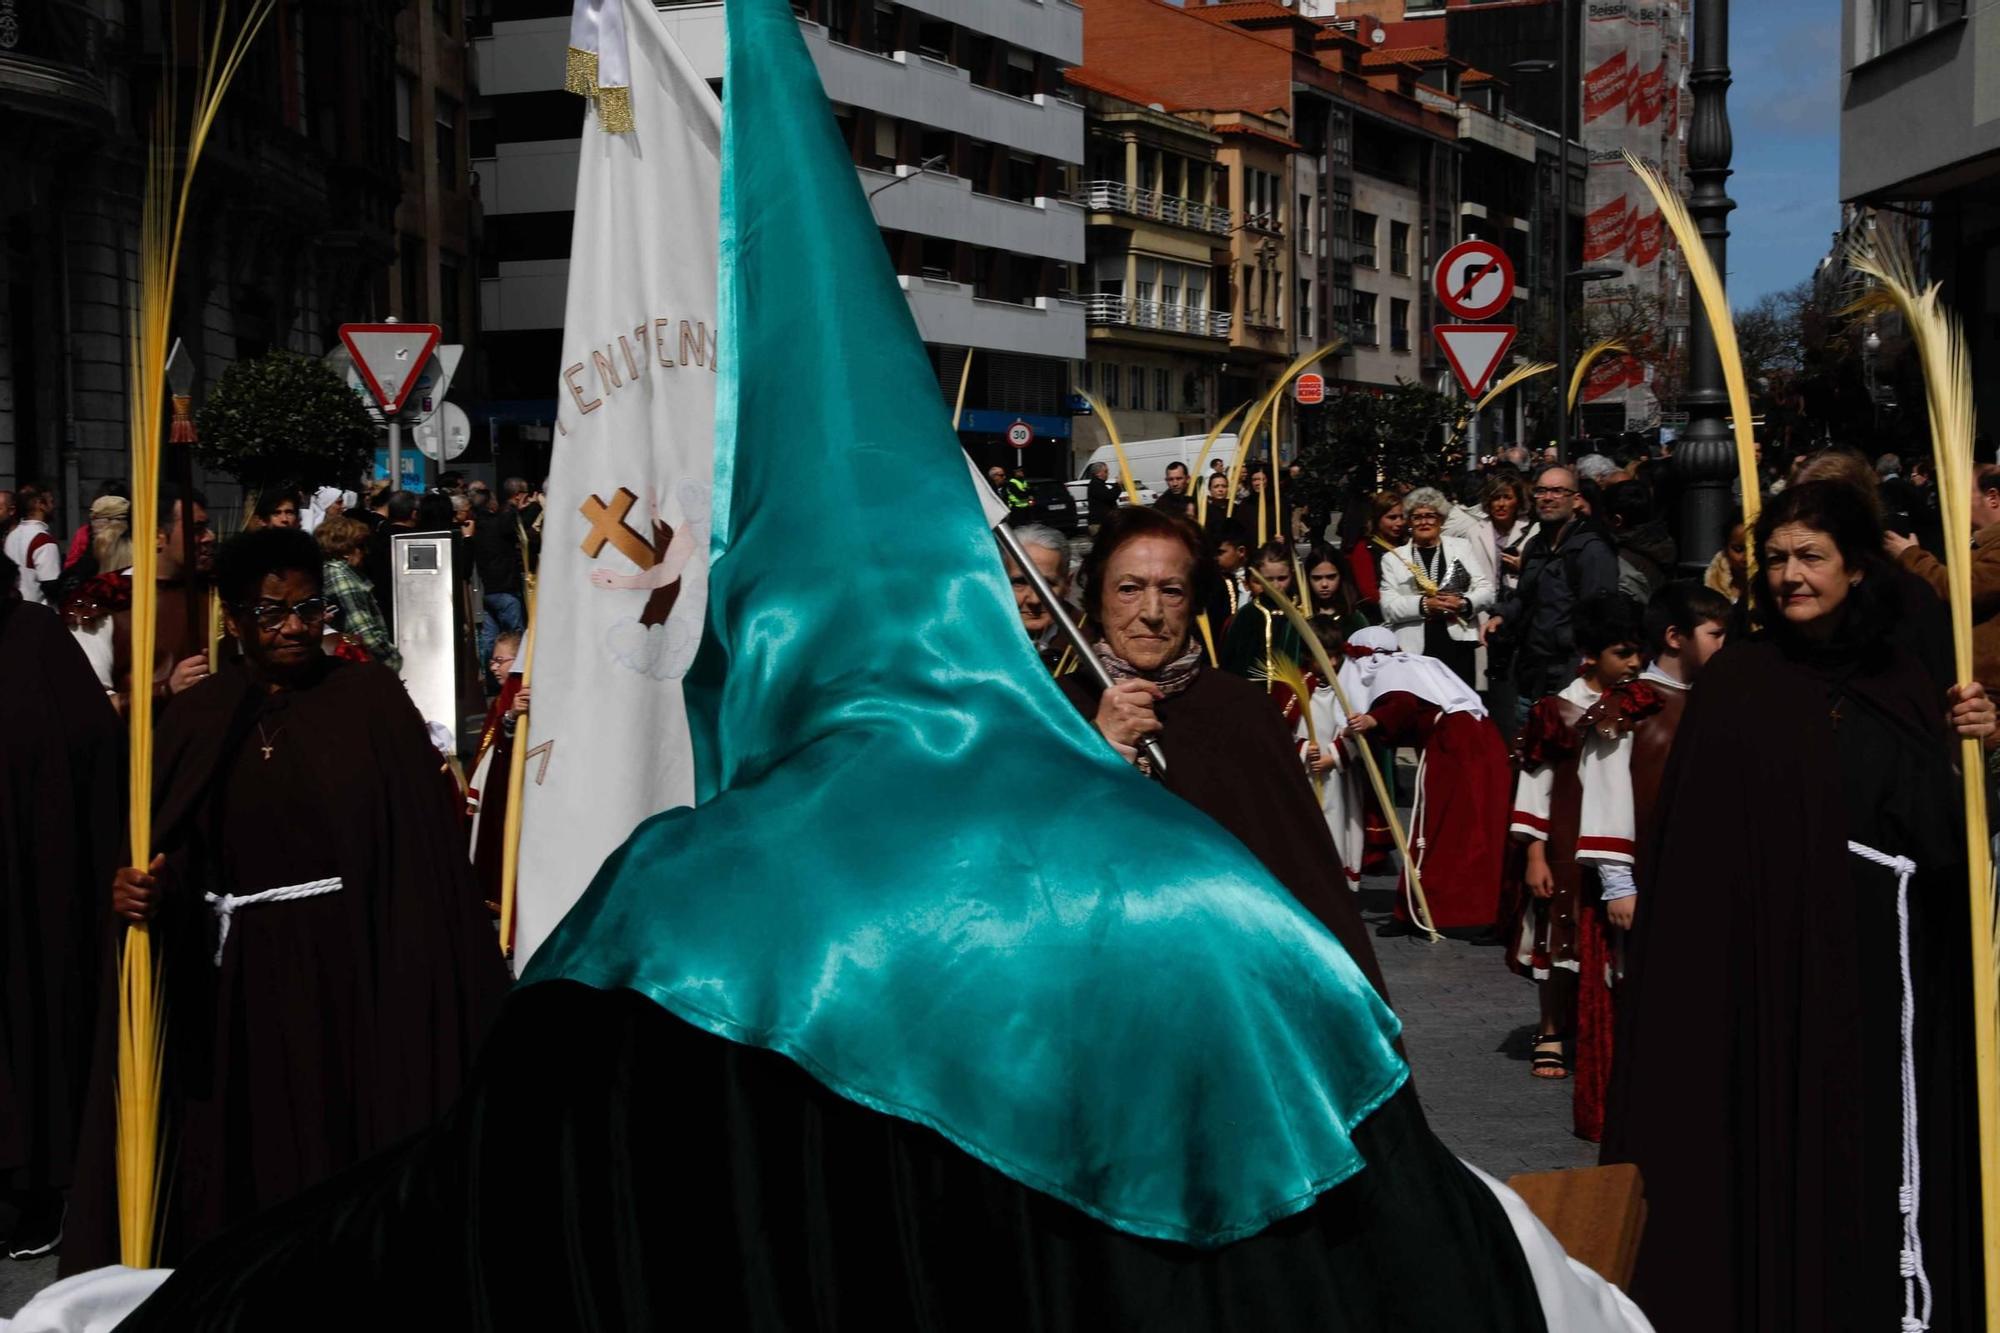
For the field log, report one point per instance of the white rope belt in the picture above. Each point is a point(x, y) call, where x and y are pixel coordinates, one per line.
point(226, 905)
point(1916, 1282)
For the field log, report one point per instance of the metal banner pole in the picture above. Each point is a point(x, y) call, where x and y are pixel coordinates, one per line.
point(1085, 653)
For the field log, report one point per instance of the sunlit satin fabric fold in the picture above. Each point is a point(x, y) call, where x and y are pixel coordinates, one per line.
point(912, 868)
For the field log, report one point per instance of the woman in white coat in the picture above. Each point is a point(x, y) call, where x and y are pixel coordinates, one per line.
point(1434, 588)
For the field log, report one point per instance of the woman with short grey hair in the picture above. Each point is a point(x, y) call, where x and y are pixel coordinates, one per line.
point(1434, 587)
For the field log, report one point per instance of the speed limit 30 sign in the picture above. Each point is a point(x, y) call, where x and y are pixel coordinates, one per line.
point(1020, 435)
point(1474, 280)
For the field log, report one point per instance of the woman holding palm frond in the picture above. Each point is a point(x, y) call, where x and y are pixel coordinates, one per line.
point(1760, 1050)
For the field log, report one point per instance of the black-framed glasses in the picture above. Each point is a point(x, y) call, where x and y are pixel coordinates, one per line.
point(1426, 516)
point(1554, 490)
point(271, 614)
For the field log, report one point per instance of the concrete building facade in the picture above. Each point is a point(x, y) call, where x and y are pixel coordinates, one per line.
point(962, 132)
point(1920, 133)
point(292, 226)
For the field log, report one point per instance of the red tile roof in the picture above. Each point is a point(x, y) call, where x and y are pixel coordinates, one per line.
point(1407, 55)
point(1096, 81)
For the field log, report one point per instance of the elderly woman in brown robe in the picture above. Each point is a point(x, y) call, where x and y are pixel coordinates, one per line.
point(1228, 752)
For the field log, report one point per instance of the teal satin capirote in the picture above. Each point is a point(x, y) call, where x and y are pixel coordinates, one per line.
point(912, 867)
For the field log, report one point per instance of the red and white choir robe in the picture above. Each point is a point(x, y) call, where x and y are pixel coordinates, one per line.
point(1575, 797)
point(1613, 834)
point(1341, 788)
point(1456, 831)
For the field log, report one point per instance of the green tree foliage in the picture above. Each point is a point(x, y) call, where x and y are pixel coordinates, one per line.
point(1358, 441)
point(284, 421)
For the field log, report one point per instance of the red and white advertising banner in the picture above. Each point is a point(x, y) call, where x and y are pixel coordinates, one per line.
point(1633, 54)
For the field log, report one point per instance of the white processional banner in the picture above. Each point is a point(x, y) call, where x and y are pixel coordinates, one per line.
point(622, 592)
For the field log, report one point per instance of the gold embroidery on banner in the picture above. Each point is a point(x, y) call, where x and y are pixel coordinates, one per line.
point(614, 110)
point(580, 73)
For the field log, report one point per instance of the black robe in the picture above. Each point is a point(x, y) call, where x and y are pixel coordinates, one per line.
point(1230, 755)
point(61, 836)
point(612, 1167)
point(332, 1026)
point(1756, 1074)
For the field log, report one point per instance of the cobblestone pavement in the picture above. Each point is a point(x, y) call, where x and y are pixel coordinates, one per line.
point(1466, 1025)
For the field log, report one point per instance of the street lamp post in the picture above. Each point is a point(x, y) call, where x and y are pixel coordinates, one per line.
point(1567, 95)
point(1706, 455)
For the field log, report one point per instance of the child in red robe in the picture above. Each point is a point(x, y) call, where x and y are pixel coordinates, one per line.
point(1576, 740)
point(1685, 625)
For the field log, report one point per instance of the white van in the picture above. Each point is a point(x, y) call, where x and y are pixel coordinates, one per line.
point(1149, 458)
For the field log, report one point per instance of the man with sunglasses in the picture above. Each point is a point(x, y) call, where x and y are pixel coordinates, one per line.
point(1567, 562)
point(330, 968)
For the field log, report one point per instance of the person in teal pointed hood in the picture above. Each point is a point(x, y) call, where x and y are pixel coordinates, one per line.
point(859, 1041)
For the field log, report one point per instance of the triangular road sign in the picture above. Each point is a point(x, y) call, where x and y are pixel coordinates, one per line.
point(1475, 352)
point(390, 357)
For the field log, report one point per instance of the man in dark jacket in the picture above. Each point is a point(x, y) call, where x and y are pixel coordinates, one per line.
point(498, 536)
point(1569, 561)
point(1103, 495)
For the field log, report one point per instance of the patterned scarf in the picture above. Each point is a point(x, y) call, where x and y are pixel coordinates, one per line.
point(1172, 678)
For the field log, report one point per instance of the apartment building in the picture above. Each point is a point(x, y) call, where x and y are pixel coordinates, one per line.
point(1158, 294)
point(962, 134)
point(1920, 135)
point(295, 229)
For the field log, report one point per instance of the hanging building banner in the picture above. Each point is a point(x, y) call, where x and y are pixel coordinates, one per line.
point(1634, 52)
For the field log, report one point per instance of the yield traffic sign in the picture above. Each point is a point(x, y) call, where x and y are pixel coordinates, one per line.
point(390, 357)
point(1475, 352)
point(1474, 280)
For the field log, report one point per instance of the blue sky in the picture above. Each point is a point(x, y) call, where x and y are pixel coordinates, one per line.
point(1784, 109)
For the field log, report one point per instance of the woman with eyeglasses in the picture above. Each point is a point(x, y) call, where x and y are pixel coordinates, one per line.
point(1434, 587)
point(329, 967)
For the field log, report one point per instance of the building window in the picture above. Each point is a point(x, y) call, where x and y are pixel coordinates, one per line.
point(406, 97)
point(1159, 390)
point(1364, 239)
point(1899, 21)
point(412, 265)
point(448, 308)
point(1365, 332)
point(1399, 325)
point(447, 143)
point(1399, 248)
point(1083, 376)
point(1305, 306)
point(1304, 216)
point(1019, 80)
point(1111, 385)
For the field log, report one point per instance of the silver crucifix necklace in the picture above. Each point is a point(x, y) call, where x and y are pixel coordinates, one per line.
point(270, 739)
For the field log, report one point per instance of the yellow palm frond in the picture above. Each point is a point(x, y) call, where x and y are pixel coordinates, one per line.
point(1583, 366)
point(1509, 380)
point(1117, 445)
point(1947, 366)
point(1714, 305)
point(1283, 670)
point(1422, 910)
point(1196, 479)
point(1256, 418)
point(141, 1011)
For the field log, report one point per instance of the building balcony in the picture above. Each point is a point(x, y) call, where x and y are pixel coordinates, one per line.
point(950, 314)
point(935, 203)
point(1123, 312)
point(52, 62)
point(1153, 205)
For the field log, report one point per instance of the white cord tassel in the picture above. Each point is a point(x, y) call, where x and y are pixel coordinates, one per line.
point(226, 905)
point(1916, 1282)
